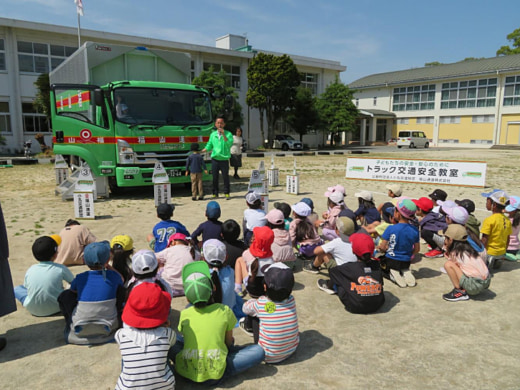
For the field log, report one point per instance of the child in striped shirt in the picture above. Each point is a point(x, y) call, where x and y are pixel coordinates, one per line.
point(278, 332)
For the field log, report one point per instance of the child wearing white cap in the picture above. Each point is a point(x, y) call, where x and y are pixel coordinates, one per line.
point(303, 233)
point(335, 204)
point(145, 267)
point(254, 215)
point(367, 212)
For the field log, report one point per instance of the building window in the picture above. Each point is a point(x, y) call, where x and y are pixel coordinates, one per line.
point(357, 102)
point(41, 57)
point(449, 119)
point(232, 73)
point(375, 101)
point(33, 122)
point(425, 120)
point(310, 81)
point(483, 119)
point(402, 121)
point(5, 120)
point(512, 91)
point(419, 97)
point(469, 94)
point(2, 55)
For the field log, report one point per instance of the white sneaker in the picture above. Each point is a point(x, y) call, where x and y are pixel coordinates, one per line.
point(409, 278)
point(397, 278)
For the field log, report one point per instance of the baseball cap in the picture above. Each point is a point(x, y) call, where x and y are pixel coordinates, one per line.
point(361, 244)
point(177, 236)
point(425, 204)
point(278, 276)
point(263, 239)
point(213, 210)
point(468, 204)
point(275, 217)
point(252, 197)
point(148, 306)
point(308, 202)
point(144, 261)
point(56, 238)
point(366, 195)
point(123, 241)
point(346, 227)
point(514, 204)
point(337, 197)
point(457, 214)
point(214, 252)
point(456, 232)
point(97, 254)
point(196, 281)
point(165, 210)
point(395, 188)
point(446, 204)
point(301, 209)
point(438, 194)
point(44, 248)
point(336, 188)
point(406, 208)
point(497, 196)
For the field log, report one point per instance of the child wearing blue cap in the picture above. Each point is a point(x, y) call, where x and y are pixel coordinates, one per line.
point(212, 228)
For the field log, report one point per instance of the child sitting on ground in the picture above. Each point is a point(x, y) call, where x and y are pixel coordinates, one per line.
point(234, 246)
point(145, 340)
point(313, 216)
point(194, 167)
point(394, 191)
point(367, 212)
point(207, 352)
point(335, 205)
point(163, 230)
point(212, 228)
point(282, 246)
point(472, 224)
point(400, 242)
point(436, 196)
point(173, 259)
point(285, 208)
point(430, 223)
point(43, 282)
point(465, 266)
point(513, 249)
point(303, 233)
point(254, 215)
point(278, 331)
point(122, 248)
point(359, 284)
point(94, 317)
point(146, 266)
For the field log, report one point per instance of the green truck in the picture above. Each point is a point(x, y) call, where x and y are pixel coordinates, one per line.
point(122, 109)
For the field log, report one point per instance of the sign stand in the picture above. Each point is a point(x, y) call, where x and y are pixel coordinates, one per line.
point(84, 194)
point(272, 174)
point(293, 182)
point(161, 185)
point(258, 184)
point(61, 169)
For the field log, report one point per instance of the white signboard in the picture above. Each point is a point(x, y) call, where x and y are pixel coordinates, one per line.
point(162, 194)
point(292, 184)
point(159, 174)
point(84, 205)
point(257, 182)
point(85, 180)
point(446, 172)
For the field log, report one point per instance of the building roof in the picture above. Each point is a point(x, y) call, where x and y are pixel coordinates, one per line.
point(471, 68)
point(376, 113)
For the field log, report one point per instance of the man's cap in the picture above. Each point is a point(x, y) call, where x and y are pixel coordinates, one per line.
point(165, 210)
point(468, 204)
point(338, 188)
point(144, 261)
point(275, 217)
point(261, 244)
point(457, 214)
point(177, 236)
point(44, 248)
point(425, 204)
point(395, 188)
point(213, 210)
point(123, 241)
point(337, 197)
point(346, 227)
point(148, 306)
point(498, 196)
point(214, 252)
point(196, 281)
point(308, 202)
point(301, 209)
point(456, 232)
point(97, 254)
point(438, 194)
point(361, 244)
point(278, 276)
point(366, 195)
point(252, 197)
point(194, 147)
point(514, 204)
point(406, 208)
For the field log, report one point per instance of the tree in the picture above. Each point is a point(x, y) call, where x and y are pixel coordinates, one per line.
point(304, 115)
point(514, 38)
point(216, 83)
point(336, 109)
point(273, 81)
point(42, 101)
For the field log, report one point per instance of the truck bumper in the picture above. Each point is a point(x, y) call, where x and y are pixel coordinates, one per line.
point(139, 177)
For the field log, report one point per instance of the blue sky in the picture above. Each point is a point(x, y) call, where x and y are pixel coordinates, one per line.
point(370, 36)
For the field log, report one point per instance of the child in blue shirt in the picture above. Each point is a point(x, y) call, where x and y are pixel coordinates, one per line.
point(194, 167)
point(212, 228)
point(163, 230)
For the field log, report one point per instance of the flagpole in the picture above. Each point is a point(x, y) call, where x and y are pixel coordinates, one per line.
point(79, 31)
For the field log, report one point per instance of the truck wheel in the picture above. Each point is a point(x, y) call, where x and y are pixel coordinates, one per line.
point(285, 147)
point(112, 184)
point(426, 145)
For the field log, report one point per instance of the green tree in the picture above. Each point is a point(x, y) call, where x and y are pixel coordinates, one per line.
point(336, 109)
point(42, 101)
point(304, 115)
point(216, 82)
point(273, 81)
point(514, 38)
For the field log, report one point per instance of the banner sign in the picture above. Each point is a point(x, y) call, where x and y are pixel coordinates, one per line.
point(460, 173)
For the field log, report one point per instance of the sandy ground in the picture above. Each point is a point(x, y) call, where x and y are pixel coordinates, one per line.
point(417, 340)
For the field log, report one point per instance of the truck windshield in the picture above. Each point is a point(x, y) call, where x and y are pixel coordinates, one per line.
point(159, 107)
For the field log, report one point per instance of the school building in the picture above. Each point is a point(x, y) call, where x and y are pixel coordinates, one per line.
point(28, 49)
point(470, 103)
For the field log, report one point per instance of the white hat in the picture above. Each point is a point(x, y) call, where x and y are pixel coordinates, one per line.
point(395, 188)
point(252, 197)
point(214, 252)
point(337, 197)
point(301, 209)
point(457, 214)
point(144, 261)
point(366, 195)
point(497, 196)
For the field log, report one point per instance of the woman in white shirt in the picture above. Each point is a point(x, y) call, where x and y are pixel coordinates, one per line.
point(236, 152)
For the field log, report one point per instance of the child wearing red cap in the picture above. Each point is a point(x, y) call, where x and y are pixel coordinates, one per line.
point(430, 223)
point(145, 340)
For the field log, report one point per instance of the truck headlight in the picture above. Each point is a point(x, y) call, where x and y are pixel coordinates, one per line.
point(126, 153)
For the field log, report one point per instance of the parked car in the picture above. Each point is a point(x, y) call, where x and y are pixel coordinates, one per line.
point(286, 142)
point(412, 139)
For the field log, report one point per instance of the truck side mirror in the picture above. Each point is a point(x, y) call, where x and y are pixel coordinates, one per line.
point(98, 97)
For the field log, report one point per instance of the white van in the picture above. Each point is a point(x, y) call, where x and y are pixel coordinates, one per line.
point(412, 139)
